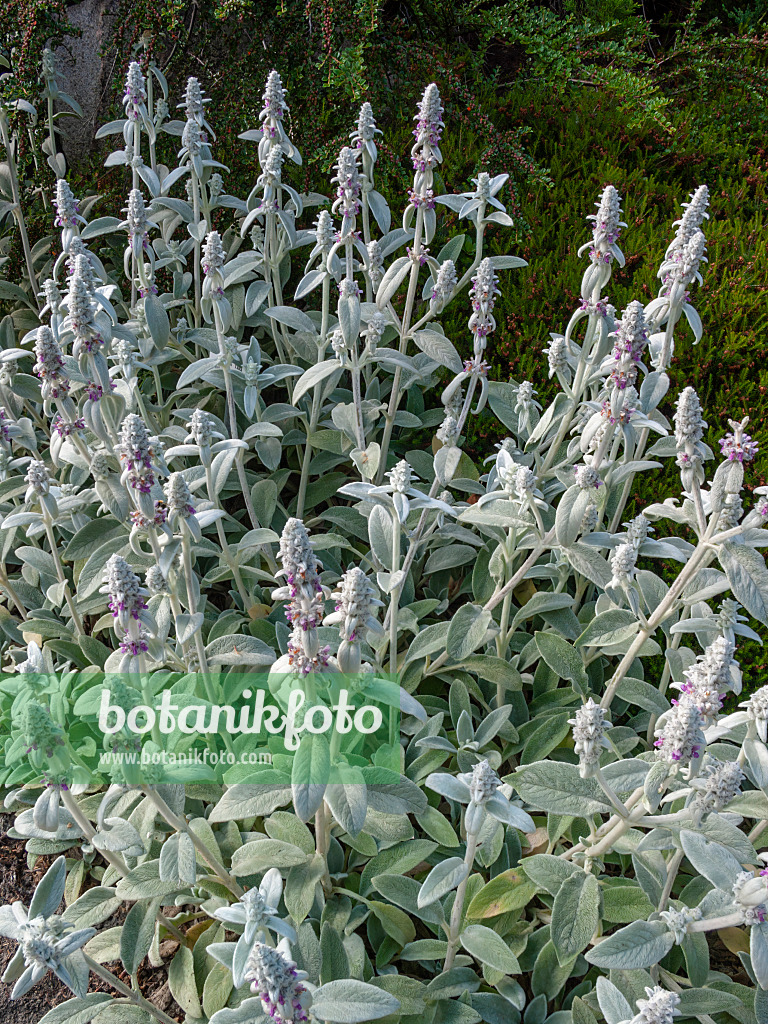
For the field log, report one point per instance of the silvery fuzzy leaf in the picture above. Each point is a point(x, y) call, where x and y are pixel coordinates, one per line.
point(448, 786)
point(347, 1001)
point(442, 879)
point(614, 1006)
point(380, 210)
point(640, 944)
point(711, 859)
point(119, 836)
point(392, 280)
point(315, 375)
point(748, 577)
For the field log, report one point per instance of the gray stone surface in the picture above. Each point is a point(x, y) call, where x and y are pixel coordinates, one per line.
point(85, 73)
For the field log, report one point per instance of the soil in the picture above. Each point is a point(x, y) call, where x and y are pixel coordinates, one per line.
point(17, 882)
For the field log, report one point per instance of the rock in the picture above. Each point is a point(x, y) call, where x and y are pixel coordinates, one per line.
point(85, 73)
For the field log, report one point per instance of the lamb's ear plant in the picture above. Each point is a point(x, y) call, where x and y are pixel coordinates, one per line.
point(358, 721)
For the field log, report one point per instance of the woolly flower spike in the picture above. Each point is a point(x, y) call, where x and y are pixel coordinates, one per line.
point(356, 605)
point(135, 92)
point(718, 784)
point(52, 297)
point(607, 225)
point(46, 943)
point(659, 1008)
point(364, 134)
point(678, 920)
point(750, 893)
point(713, 673)
point(305, 595)
point(483, 295)
point(296, 554)
point(276, 981)
point(324, 232)
point(589, 727)
point(689, 423)
point(136, 215)
point(445, 283)
point(49, 365)
point(193, 100)
point(135, 451)
point(126, 595)
point(66, 206)
point(429, 127)
point(691, 256)
point(689, 430)
point(213, 253)
point(680, 738)
point(81, 318)
point(192, 138)
point(273, 98)
point(691, 221)
point(348, 188)
point(738, 446)
point(757, 711)
point(631, 338)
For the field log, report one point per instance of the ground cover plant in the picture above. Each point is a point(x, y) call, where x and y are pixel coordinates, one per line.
point(549, 828)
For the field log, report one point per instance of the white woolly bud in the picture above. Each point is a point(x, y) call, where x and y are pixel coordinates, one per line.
point(689, 422)
point(401, 477)
point(718, 784)
point(587, 478)
point(757, 711)
point(623, 560)
point(356, 605)
point(178, 497)
point(484, 783)
point(678, 920)
point(136, 214)
point(659, 1008)
point(135, 91)
point(750, 893)
point(49, 365)
point(445, 283)
point(374, 332)
point(37, 480)
point(694, 216)
point(589, 520)
point(202, 429)
point(191, 137)
point(589, 727)
point(557, 355)
point(324, 231)
point(213, 253)
point(155, 581)
point(637, 530)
